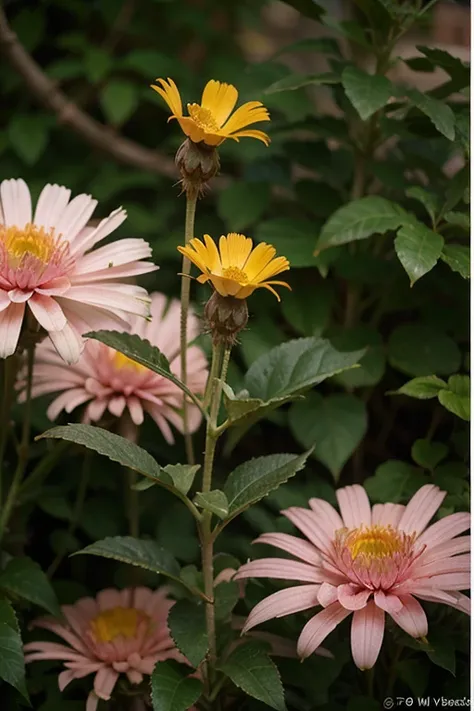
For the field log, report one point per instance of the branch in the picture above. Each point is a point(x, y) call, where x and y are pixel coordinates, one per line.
point(93, 132)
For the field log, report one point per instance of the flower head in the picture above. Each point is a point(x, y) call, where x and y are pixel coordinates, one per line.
point(46, 262)
point(107, 380)
point(118, 632)
point(211, 121)
point(366, 561)
point(236, 269)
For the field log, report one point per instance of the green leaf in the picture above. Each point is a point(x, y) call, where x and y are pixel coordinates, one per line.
point(427, 199)
point(460, 219)
point(149, 63)
point(12, 660)
point(253, 480)
point(326, 45)
point(415, 674)
point(24, 578)
point(214, 501)
point(118, 100)
point(226, 597)
point(428, 454)
point(360, 219)
point(392, 481)
point(457, 396)
point(252, 670)
point(242, 204)
point(371, 366)
point(97, 63)
point(423, 388)
point(28, 136)
point(456, 68)
point(172, 689)
point(187, 623)
point(141, 351)
point(298, 81)
point(442, 652)
point(182, 475)
point(439, 113)
point(366, 92)
point(292, 238)
point(7, 615)
point(418, 349)
point(142, 554)
point(333, 425)
point(418, 249)
point(458, 258)
point(308, 8)
point(309, 322)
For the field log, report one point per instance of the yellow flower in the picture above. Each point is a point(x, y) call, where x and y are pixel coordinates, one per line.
point(236, 269)
point(209, 121)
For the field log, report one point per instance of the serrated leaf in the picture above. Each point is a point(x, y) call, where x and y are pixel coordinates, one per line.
point(422, 388)
point(12, 660)
point(458, 258)
point(418, 349)
point(28, 135)
point(118, 100)
point(360, 219)
point(366, 92)
point(457, 396)
point(392, 480)
point(24, 578)
point(253, 480)
point(187, 623)
point(442, 652)
point(252, 670)
point(214, 501)
point(141, 351)
point(172, 689)
point(7, 615)
point(182, 475)
point(142, 554)
point(333, 425)
point(454, 66)
point(242, 204)
point(298, 81)
point(418, 249)
point(428, 454)
point(226, 597)
point(439, 113)
point(427, 199)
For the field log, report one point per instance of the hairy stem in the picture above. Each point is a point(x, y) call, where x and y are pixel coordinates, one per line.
point(191, 199)
point(8, 388)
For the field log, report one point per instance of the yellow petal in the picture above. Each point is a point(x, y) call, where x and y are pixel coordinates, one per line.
point(280, 264)
point(220, 99)
point(214, 260)
point(219, 284)
point(193, 257)
point(213, 139)
point(245, 291)
point(260, 135)
point(234, 249)
point(169, 92)
point(202, 278)
point(251, 112)
point(190, 129)
point(258, 260)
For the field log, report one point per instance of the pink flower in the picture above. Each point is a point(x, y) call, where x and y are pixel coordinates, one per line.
point(46, 262)
point(367, 562)
point(118, 632)
point(108, 380)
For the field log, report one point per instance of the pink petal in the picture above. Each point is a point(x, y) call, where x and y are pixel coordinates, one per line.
point(386, 601)
point(354, 506)
point(19, 296)
point(451, 581)
point(85, 240)
point(352, 597)
point(328, 517)
point(446, 549)
point(55, 287)
point(367, 635)
point(421, 508)
point(47, 312)
point(65, 678)
point(411, 618)
point(51, 203)
point(68, 343)
point(295, 546)
point(68, 399)
point(308, 524)
point(281, 603)
point(75, 216)
point(104, 682)
point(130, 269)
point(318, 628)
point(327, 594)
point(457, 564)
point(117, 405)
point(463, 603)
point(122, 251)
point(280, 569)
point(4, 300)
point(16, 202)
point(429, 593)
point(387, 514)
point(445, 529)
point(92, 702)
point(11, 320)
point(109, 598)
point(136, 410)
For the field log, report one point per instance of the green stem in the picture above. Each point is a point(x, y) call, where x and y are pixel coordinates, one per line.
point(191, 199)
point(132, 504)
point(44, 466)
point(24, 448)
point(213, 374)
point(76, 514)
point(9, 377)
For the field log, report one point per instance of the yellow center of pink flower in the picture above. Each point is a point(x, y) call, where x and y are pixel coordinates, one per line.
point(371, 543)
point(116, 622)
point(30, 240)
point(122, 361)
point(235, 274)
point(203, 118)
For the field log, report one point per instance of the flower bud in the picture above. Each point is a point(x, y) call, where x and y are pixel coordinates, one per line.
point(225, 317)
point(197, 163)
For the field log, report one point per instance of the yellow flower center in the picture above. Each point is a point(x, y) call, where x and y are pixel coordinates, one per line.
point(30, 240)
point(375, 542)
point(116, 622)
point(235, 274)
point(203, 118)
point(122, 361)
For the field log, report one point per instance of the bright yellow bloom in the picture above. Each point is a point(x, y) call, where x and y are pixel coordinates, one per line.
point(209, 121)
point(236, 269)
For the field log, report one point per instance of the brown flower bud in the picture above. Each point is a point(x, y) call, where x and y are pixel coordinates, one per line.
point(225, 317)
point(197, 163)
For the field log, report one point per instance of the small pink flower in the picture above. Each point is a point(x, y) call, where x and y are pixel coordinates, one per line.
point(46, 261)
point(118, 632)
point(108, 380)
point(366, 561)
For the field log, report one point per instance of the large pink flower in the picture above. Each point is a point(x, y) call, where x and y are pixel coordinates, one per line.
point(46, 262)
point(367, 562)
point(108, 380)
point(118, 632)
